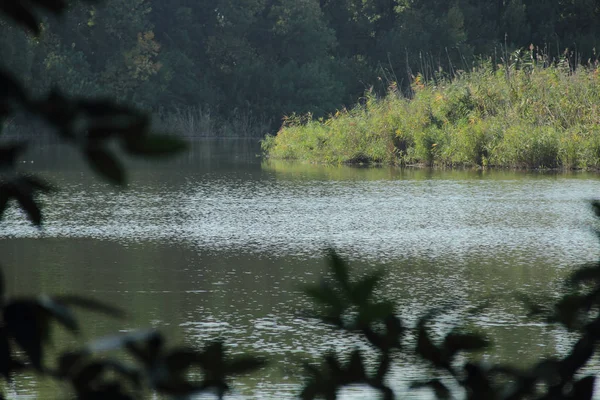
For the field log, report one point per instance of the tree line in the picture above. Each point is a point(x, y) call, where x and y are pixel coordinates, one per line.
point(273, 58)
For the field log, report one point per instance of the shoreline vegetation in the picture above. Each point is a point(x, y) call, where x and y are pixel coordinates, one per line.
point(185, 122)
point(526, 114)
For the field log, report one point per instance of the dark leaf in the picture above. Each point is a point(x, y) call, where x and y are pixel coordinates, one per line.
point(375, 312)
point(179, 388)
point(6, 359)
point(10, 86)
point(426, 348)
point(21, 14)
point(2, 287)
point(55, 6)
point(309, 392)
point(214, 352)
point(148, 351)
point(106, 165)
point(156, 146)
point(356, 369)
point(130, 127)
point(67, 363)
point(29, 326)
point(10, 152)
point(181, 359)
point(28, 204)
point(245, 364)
point(568, 309)
point(4, 197)
point(88, 374)
point(132, 374)
point(105, 108)
point(90, 305)
point(119, 341)
point(478, 382)
point(38, 184)
point(579, 356)
point(584, 274)
point(595, 204)
point(59, 312)
point(583, 389)
point(362, 291)
point(340, 269)
point(455, 342)
point(325, 295)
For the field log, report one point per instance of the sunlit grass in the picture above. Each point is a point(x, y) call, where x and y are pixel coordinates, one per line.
point(503, 116)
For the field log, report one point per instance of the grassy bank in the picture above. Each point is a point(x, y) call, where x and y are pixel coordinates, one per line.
point(521, 115)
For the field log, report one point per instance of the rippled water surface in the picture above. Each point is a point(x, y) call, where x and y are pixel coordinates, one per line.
point(218, 243)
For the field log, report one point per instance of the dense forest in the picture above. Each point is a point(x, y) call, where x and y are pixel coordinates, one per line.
point(271, 58)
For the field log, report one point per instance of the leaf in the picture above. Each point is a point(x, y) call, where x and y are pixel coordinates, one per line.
point(18, 12)
point(580, 354)
point(324, 294)
point(568, 309)
point(181, 359)
point(4, 197)
point(586, 273)
point(88, 374)
point(10, 86)
point(426, 348)
point(55, 6)
point(5, 354)
point(156, 146)
point(178, 389)
point(213, 352)
point(2, 286)
point(595, 204)
point(59, 312)
point(117, 342)
point(340, 269)
point(583, 389)
point(28, 204)
point(104, 107)
point(455, 342)
point(356, 369)
point(67, 362)
point(90, 304)
point(245, 364)
point(362, 291)
point(10, 152)
point(106, 165)
point(29, 327)
point(148, 351)
point(375, 312)
point(38, 184)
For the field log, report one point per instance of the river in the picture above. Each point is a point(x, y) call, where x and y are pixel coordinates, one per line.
point(219, 243)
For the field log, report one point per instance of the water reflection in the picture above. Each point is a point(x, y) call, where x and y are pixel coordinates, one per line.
point(218, 244)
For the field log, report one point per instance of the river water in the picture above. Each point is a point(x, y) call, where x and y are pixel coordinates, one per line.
point(219, 243)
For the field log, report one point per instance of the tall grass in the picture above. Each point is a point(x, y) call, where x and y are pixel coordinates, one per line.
point(526, 114)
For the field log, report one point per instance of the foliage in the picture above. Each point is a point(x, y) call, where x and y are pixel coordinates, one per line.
point(351, 305)
point(91, 125)
point(341, 300)
point(522, 114)
point(270, 58)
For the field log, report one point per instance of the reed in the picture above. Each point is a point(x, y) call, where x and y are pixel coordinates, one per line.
point(528, 113)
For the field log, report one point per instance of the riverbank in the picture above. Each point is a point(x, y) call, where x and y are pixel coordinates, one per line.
point(526, 116)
